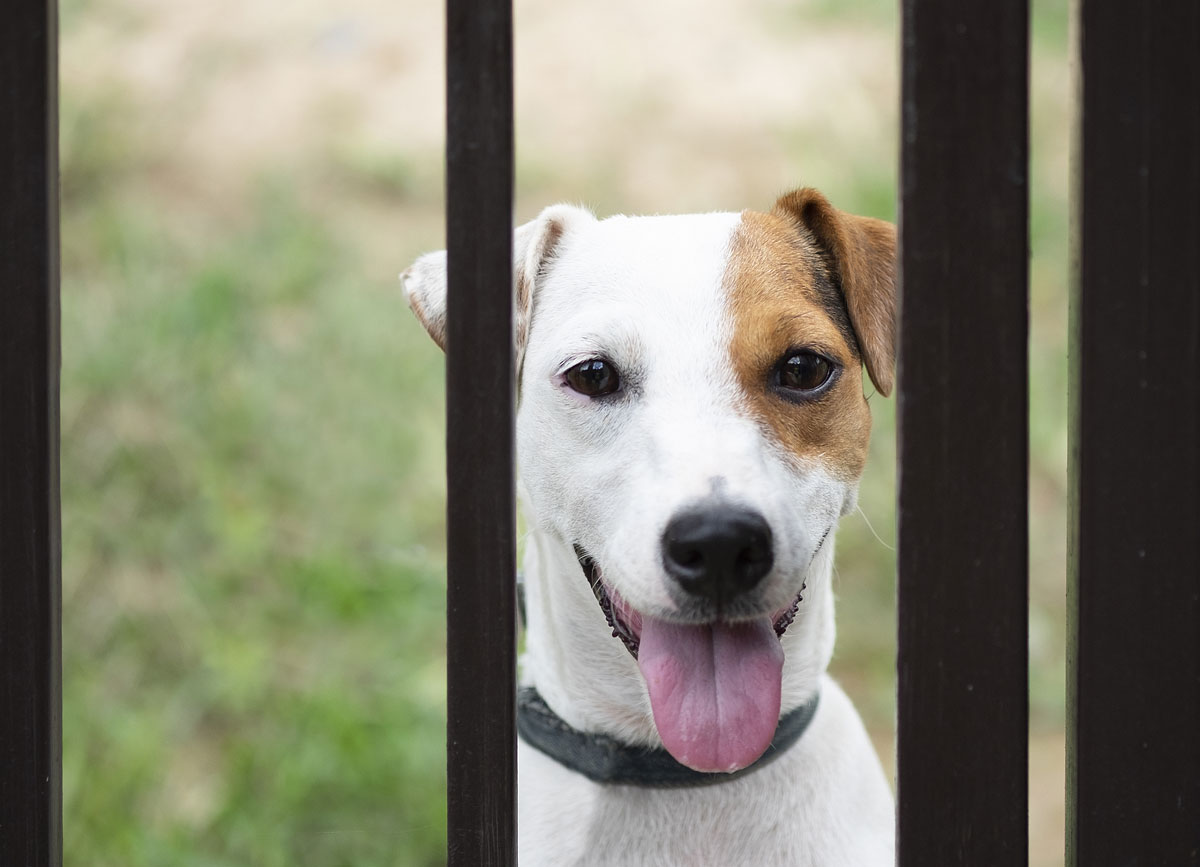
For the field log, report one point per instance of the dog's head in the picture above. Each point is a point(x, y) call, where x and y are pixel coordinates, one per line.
point(692, 420)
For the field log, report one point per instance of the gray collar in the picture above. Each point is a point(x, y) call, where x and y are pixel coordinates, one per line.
point(605, 760)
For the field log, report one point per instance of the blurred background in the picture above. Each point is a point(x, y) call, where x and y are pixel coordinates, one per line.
point(252, 421)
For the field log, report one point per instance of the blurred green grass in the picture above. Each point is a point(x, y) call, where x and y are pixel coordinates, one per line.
point(253, 655)
point(252, 468)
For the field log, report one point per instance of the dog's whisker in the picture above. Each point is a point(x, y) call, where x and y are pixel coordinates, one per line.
point(878, 539)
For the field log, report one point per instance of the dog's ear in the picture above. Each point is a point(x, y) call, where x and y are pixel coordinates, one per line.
point(863, 251)
point(534, 245)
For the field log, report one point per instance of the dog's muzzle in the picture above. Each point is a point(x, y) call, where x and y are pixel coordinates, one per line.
point(713, 669)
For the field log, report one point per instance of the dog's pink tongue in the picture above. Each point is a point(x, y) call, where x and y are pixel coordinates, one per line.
point(714, 689)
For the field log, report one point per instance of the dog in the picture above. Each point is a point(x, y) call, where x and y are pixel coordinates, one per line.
point(691, 425)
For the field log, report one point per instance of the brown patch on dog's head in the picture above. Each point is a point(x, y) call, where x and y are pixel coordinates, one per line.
point(807, 277)
point(863, 255)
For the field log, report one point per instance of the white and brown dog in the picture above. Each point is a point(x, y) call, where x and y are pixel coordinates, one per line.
point(691, 426)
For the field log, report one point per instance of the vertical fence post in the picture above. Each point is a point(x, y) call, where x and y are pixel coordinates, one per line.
point(481, 528)
point(963, 442)
point(1133, 759)
point(30, 666)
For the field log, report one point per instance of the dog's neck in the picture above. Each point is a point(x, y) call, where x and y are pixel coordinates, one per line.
point(588, 677)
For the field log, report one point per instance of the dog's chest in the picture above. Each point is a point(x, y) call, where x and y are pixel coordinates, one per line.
point(782, 815)
point(567, 820)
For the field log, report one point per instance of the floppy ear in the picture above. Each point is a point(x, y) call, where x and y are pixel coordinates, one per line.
point(534, 244)
point(863, 250)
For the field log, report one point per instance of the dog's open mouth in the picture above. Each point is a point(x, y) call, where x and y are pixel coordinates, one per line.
point(626, 622)
point(714, 688)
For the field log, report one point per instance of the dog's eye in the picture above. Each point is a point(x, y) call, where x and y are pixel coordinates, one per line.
point(803, 371)
point(594, 377)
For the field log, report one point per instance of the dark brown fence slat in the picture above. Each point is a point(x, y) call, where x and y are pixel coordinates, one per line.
point(30, 666)
point(1133, 783)
point(963, 590)
point(481, 532)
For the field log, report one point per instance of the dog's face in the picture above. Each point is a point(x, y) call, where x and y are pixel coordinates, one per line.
point(692, 421)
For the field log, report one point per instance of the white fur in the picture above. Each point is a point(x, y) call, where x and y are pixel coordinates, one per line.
point(650, 294)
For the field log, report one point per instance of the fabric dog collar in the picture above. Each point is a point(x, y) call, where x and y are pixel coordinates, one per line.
point(605, 760)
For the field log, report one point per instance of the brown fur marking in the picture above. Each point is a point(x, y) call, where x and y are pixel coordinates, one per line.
point(863, 250)
point(778, 282)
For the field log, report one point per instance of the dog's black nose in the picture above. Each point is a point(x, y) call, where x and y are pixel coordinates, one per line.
point(717, 552)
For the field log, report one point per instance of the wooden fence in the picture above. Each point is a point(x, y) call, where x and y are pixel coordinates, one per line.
point(30, 666)
point(1133, 768)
